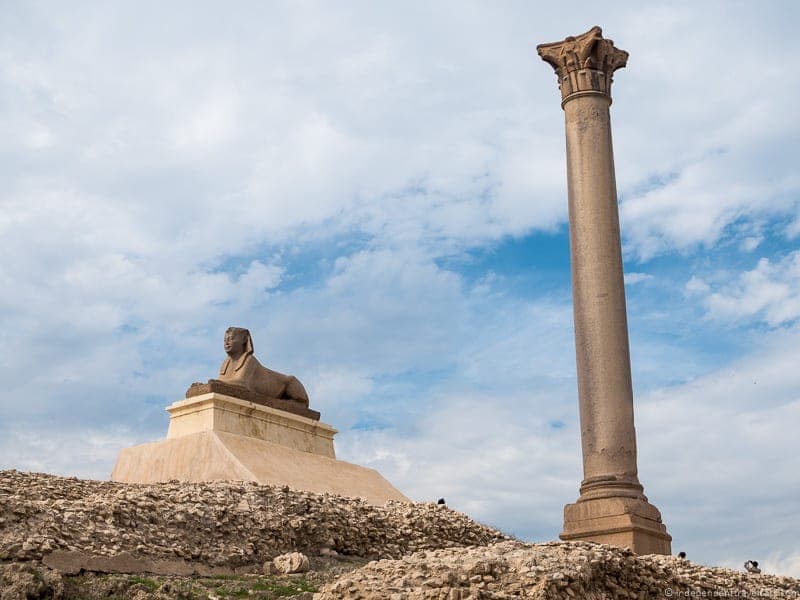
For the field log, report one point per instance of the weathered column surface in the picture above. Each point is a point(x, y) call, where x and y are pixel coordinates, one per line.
point(612, 507)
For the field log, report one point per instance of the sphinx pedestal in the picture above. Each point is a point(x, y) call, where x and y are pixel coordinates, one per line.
point(215, 437)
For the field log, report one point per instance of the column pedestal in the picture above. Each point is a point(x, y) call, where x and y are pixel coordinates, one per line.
point(626, 522)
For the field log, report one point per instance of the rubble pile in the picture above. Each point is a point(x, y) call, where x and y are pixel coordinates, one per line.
point(215, 523)
point(186, 535)
point(557, 570)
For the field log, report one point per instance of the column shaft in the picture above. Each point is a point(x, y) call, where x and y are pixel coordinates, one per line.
point(601, 330)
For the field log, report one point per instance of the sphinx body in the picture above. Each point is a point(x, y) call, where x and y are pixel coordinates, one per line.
point(243, 370)
point(247, 372)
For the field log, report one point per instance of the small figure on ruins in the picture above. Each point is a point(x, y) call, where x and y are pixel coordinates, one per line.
point(751, 566)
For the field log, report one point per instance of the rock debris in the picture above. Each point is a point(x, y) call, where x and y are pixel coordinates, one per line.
point(227, 524)
point(553, 570)
point(418, 551)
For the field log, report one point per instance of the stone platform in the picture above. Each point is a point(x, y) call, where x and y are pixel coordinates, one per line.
point(619, 521)
point(219, 412)
point(213, 437)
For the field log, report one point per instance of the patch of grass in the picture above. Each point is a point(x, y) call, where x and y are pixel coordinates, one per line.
point(273, 589)
point(149, 584)
point(289, 589)
point(225, 587)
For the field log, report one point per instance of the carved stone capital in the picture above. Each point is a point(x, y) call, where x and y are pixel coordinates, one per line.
point(584, 64)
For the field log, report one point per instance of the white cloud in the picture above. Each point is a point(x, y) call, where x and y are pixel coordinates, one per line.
point(697, 285)
point(793, 229)
point(338, 392)
point(749, 244)
point(769, 292)
point(783, 563)
point(722, 437)
point(46, 451)
point(704, 199)
point(209, 125)
point(515, 471)
point(257, 279)
point(690, 170)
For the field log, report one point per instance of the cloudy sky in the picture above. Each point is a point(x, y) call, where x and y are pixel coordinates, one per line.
point(378, 192)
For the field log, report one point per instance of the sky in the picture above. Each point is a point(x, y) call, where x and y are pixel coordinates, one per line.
point(378, 192)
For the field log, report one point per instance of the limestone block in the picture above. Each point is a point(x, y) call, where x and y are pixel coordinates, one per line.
point(223, 456)
point(293, 562)
point(217, 412)
point(214, 437)
point(625, 522)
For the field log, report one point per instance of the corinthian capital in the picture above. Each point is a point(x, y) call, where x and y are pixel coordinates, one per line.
point(584, 63)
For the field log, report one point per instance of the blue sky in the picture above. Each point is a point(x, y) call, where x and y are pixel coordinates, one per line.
point(379, 193)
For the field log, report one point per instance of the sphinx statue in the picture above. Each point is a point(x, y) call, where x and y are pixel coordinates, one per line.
point(243, 369)
point(242, 376)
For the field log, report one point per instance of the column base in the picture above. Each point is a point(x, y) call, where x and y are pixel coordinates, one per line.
point(619, 521)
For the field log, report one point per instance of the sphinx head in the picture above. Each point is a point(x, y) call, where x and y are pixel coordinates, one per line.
point(237, 342)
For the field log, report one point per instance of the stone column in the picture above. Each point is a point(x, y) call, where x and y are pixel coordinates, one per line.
point(612, 507)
